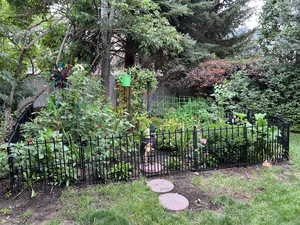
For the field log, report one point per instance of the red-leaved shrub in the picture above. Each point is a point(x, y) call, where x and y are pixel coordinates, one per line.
point(202, 78)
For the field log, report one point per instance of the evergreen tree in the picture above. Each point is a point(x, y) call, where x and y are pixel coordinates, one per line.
point(212, 23)
point(125, 29)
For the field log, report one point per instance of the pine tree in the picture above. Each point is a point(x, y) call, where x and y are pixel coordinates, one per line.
point(212, 23)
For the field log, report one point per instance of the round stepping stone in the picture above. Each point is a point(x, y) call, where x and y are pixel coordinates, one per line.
point(173, 201)
point(160, 185)
point(151, 168)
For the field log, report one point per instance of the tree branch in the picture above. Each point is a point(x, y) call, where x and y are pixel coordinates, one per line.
point(63, 44)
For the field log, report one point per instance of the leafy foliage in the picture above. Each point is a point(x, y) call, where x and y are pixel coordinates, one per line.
point(212, 24)
point(77, 111)
point(121, 171)
point(142, 80)
point(240, 144)
point(275, 91)
point(280, 30)
point(209, 73)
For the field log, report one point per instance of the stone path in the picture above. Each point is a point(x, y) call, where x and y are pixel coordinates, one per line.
point(170, 201)
point(160, 185)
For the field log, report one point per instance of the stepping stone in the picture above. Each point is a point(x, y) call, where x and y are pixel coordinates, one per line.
point(160, 185)
point(151, 167)
point(173, 201)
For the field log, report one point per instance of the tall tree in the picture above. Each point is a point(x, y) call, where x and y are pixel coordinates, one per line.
point(125, 28)
point(212, 23)
point(21, 28)
point(280, 30)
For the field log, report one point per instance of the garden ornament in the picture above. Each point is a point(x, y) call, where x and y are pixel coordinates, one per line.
point(148, 149)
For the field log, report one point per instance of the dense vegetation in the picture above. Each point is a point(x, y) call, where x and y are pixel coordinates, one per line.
point(188, 45)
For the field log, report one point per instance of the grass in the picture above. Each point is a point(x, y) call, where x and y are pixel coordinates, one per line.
point(255, 196)
point(53, 222)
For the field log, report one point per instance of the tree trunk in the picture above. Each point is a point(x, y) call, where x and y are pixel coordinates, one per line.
point(106, 16)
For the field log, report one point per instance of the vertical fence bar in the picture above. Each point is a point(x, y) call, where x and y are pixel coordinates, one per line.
point(221, 147)
point(103, 162)
point(268, 153)
point(108, 176)
point(257, 145)
point(286, 141)
point(246, 146)
point(64, 157)
point(55, 159)
point(142, 153)
point(47, 162)
point(183, 149)
point(148, 98)
point(195, 147)
point(82, 158)
point(127, 158)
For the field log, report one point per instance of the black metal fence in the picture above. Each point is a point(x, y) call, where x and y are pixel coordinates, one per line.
point(113, 158)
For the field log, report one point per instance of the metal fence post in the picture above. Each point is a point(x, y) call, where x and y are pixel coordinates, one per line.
point(286, 141)
point(148, 98)
point(195, 147)
point(195, 143)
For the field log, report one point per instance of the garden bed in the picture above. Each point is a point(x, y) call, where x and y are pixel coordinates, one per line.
point(121, 158)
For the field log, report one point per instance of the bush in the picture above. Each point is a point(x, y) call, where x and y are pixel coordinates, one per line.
point(121, 171)
point(240, 144)
point(4, 168)
point(78, 111)
point(276, 91)
point(193, 113)
point(73, 114)
point(46, 160)
point(209, 73)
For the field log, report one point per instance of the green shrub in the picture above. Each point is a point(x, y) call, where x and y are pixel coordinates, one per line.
point(241, 144)
point(274, 91)
point(121, 171)
point(173, 140)
point(73, 114)
point(4, 168)
point(197, 112)
point(78, 111)
point(54, 160)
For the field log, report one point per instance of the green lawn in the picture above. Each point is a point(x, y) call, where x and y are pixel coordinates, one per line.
point(257, 196)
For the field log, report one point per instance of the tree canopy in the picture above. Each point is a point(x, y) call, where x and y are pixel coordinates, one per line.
point(280, 29)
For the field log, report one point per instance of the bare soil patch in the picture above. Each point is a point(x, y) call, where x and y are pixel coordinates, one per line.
point(22, 209)
point(198, 199)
